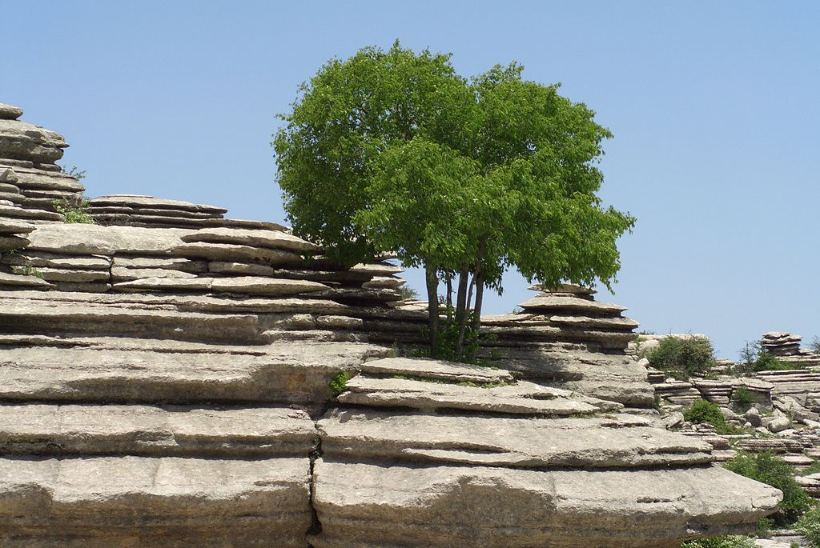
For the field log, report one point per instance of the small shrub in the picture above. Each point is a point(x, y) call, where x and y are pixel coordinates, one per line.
point(27, 270)
point(74, 211)
point(813, 468)
point(754, 358)
point(809, 526)
point(408, 293)
point(75, 172)
point(682, 358)
point(771, 470)
point(815, 345)
point(728, 541)
point(338, 384)
point(742, 398)
point(702, 411)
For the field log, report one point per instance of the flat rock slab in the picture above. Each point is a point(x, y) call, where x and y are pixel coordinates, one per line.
point(287, 373)
point(52, 260)
point(566, 303)
point(138, 201)
point(10, 211)
point(236, 253)
point(141, 501)
point(64, 317)
point(368, 505)
point(271, 239)
point(10, 226)
point(82, 239)
point(522, 398)
point(246, 285)
point(436, 369)
point(10, 112)
point(622, 441)
point(22, 280)
point(29, 178)
point(24, 141)
point(153, 431)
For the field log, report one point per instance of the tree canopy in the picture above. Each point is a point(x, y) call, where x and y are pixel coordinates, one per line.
point(394, 151)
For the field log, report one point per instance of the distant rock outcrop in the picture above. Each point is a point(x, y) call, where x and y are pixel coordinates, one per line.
point(170, 377)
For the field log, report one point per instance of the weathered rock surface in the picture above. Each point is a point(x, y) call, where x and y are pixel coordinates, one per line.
point(491, 506)
point(139, 501)
point(170, 380)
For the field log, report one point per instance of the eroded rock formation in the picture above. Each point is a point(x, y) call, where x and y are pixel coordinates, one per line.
point(165, 379)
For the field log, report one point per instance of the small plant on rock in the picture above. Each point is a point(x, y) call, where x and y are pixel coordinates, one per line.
point(766, 468)
point(338, 384)
point(815, 345)
point(742, 398)
point(74, 210)
point(706, 412)
point(683, 357)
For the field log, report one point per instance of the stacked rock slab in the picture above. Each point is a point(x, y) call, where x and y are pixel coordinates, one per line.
point(29, 175)
point(167, 386)
point(567, 338)
point(786, 347)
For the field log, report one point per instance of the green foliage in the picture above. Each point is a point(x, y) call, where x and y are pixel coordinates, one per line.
point(766, 468)
point(74, 211)
point(728, 541)
point(754, 358)
point(408, 293)
point(27, 270)
point(809, 526)
point(447, 347)
point(702, 411)
point(394, 151)
point(75, 172)
point(338, 384)
point(742, 398)
point(683, 357)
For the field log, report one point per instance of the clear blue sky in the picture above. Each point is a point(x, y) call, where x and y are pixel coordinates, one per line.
point(715, 107)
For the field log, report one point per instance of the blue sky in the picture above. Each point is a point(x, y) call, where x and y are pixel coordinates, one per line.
point(715, 107)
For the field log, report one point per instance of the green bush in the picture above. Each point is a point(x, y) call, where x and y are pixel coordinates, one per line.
point(754, 358)
point(73, 211)
point(682, 358)
point(729, 541)
point(771, 470)
point(702, 411)
point(742, 398)
point(338, 384)
point(809, 526)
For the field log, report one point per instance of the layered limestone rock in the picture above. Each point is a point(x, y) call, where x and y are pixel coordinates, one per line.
point(787, 348)
point(170, 377)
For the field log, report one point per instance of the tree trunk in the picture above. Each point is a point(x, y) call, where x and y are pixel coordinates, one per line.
point(478, 278)
point(432, 306)
point(448, 279)
point(479, 298)
point(461, 296)
point(462, 327)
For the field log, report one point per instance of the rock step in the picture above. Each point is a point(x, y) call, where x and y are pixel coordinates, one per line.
point(20, 316)
point(552, 304)
point(138, 201)
point(141, 501)
point(620, 441)
point(482, 506)
point(49, 429)
point(523, 398)
point(119, 371)
point(436, 369)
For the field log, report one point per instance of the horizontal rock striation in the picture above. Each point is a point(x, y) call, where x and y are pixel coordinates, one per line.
point(170, 377)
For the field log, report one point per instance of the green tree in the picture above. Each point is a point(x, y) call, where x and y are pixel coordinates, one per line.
point(394, 151)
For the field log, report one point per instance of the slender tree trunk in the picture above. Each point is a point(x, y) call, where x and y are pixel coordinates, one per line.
point(478, 278)
point(432, 305)
point(461, 296)
point(479, 301)
point(462, 327)
point(448, 279)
